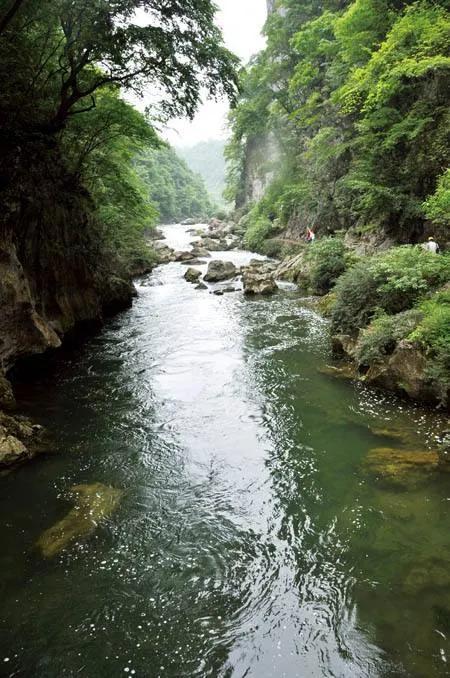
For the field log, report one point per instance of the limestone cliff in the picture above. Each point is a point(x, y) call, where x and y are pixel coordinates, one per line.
point(55, 273)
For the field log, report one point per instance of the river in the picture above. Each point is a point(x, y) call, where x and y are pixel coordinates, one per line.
point(250, 540)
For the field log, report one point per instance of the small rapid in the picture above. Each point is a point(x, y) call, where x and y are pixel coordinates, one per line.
point(250, 540)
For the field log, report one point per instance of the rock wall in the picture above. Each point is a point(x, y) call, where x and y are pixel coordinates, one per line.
point(54, 274)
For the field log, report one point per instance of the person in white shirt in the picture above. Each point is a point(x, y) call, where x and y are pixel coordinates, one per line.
point(431, 245)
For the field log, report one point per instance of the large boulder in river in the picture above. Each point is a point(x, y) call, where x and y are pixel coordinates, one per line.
point(210, 244)
point(220, 270)
point(404, 371)
point(164, 254)
point(192, 275)
point(258, 278)
point(199, 252)
point(183, 256)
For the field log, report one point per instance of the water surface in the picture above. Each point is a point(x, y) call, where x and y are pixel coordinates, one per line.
point(249, 540)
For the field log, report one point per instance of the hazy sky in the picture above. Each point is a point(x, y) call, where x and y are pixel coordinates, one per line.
point(241, 22)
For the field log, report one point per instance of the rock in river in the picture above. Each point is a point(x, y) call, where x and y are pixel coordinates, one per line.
point(183, 256)
point(199, 252)
point(93, 503)
point(258, 278)
point(20, 440)
point(220, 270)
point(192, 275)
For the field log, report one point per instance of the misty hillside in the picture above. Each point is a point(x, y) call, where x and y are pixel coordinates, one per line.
point(207, 159)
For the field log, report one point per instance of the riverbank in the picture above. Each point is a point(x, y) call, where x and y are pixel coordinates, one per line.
point(389, 313)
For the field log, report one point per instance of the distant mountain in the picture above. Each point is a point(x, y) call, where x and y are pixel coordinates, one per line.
point(207, 159)
point(176, 191)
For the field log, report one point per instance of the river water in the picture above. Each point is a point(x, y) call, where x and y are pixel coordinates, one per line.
point(249, 539)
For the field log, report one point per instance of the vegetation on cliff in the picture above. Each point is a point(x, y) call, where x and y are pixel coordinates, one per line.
point(74, 205)
point(355, 98)
point(62, 65)
point(173, 188)
point(400, 297)
point(349, 107)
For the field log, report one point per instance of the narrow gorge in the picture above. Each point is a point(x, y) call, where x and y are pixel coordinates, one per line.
point(224, 434)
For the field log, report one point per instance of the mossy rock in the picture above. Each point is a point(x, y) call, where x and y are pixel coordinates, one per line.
point(402, 468)
point(93, 504)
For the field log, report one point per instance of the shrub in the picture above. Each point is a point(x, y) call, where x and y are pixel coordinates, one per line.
point(327, 261)
point(257, 231)
point(356, 294)
point(392, 282)
point(380, 338)
point(433, 334)
point(405, 274)
point(437, 207)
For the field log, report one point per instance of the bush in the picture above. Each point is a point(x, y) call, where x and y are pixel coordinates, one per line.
point(380, 338)
point(356, 292)
point(433, 334)
point(405, 274)
point(327, 261)
point(390, 282)
point(437, 207)
point(257, 231)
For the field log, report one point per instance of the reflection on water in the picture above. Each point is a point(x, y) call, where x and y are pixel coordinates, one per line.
point(250, 538)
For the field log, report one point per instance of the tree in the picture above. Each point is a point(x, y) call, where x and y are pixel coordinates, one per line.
point(65, 51)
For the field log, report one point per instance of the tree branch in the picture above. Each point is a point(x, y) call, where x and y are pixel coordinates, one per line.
point(10, 14)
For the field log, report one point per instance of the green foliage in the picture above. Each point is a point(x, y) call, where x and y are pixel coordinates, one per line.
point(51, 50)
point(437, 207)
point(257, 231)
point(390, 282)
point(175, 190)
point(62, 64)
point(327, 261)
point(356, 96)
point(433, 334)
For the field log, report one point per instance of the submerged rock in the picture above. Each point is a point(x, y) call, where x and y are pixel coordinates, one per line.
point(430, 575)
point(192, 275)
point(403, 468)
point(258, 278)
point(343, 371)
point(201, 286)
point(220, 270)
point(93, 503)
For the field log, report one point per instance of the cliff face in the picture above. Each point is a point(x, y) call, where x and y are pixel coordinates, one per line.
point(52, 273)
point(261, 156)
